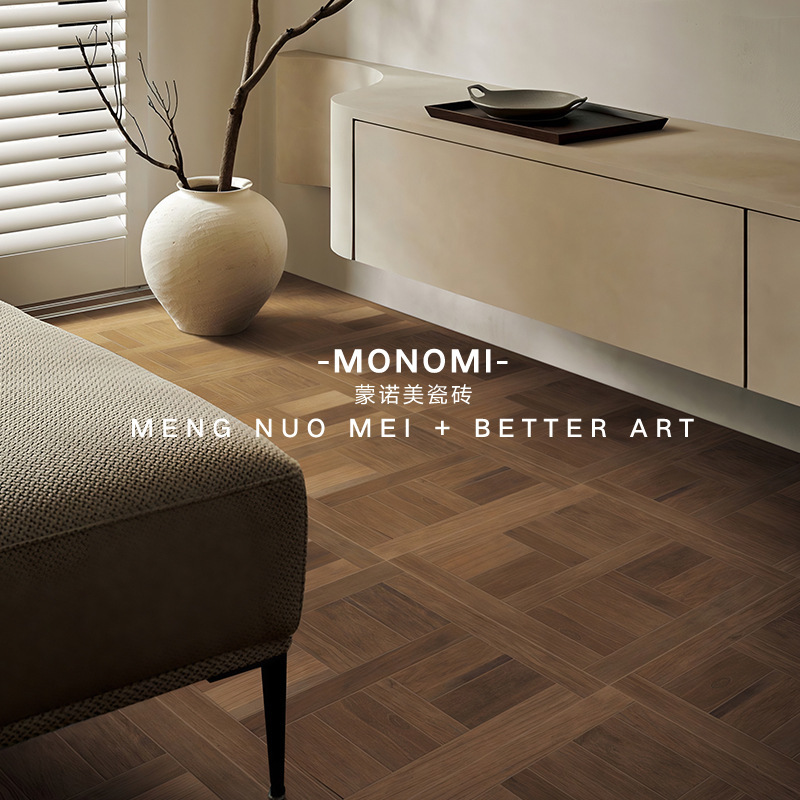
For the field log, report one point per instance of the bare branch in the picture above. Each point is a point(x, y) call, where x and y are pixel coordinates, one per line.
point(94, 32)
point(118, 102)
point(116, 115)
point(139, 129)
point(252, 41)
point(251, 80)
point(327, 10)
point(165, 106)
point(164, 103)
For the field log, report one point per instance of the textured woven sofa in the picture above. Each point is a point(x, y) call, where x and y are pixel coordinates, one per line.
point(133, 565)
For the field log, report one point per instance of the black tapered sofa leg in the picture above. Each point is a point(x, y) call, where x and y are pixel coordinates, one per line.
point(273, 686)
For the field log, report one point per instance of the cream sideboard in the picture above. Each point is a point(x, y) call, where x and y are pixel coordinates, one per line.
point(682, 245)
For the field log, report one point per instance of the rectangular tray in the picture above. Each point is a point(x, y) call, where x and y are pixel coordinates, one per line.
point(590, 121)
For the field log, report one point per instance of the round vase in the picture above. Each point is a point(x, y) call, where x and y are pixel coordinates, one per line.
point(213, 258)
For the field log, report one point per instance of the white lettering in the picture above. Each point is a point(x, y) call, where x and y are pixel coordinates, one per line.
point(426, 360)
point(598, 425)
point(191, 426)
point(222, 429)
point(434, 361)
point(264, 430)
point(354, 365)
point(286, 432)
point(472, 364)
point(365, 430)
point(321, 426)
point(403, 359)
point(373, 364)
point(387, 428)
point(638, 428)
point(138, 430)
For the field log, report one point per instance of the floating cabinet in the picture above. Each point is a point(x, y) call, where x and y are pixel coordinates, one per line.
point(650, 271)
point(682, 245)
point(773, 245)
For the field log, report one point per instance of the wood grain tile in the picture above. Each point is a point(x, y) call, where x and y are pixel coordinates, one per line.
point(535, 535)
point(184, 787)
point(424, 716)
point(786, 738)
point(597, 567)
point(777, 644)
point(195, 752)
point(713, 789)
point(648, 647)
point(379, 668)
point(146, 778)
point(330, 757)
point(617, 606)
point(583, 776)
point(662, 564)
point(353, 630)
point(659, 768)
point(725, 633)
point(527, 785)
point(386, 736)
point(701, 583)
point(582, 625)
point(491, 693)
point(449, 669)
point(707, 734)
point(763, 706)
point(397, 611)
point(718, 679)
point(47, 768)
point(516, 575)
point(111, 745)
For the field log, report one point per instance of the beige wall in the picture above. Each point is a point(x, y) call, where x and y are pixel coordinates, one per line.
point(727, 62)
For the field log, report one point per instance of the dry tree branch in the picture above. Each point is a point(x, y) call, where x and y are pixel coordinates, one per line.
point(252, 75)
point(252, 41)
point(117, 75)
point(166, 111)
point(117, 108)
point(327, 10)
point(165, 103)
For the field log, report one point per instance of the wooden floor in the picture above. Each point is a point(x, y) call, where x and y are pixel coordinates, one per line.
point(486, 619)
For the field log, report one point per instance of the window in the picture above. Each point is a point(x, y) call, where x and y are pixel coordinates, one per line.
point(62, 161)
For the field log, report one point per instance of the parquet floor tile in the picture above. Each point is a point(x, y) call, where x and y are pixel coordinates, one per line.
point(516, 617)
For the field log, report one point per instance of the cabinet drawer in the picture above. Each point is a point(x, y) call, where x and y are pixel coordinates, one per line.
point(774, 306)
point(650, 271)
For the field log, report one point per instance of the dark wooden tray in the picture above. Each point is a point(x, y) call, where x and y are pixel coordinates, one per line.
point(590, 121)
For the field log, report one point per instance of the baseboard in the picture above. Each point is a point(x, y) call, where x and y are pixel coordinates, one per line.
point(89, 302)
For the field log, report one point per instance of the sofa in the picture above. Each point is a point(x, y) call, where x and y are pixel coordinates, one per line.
point(135, 557)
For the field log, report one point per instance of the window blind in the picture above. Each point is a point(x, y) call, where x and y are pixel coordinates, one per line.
point(62, 160)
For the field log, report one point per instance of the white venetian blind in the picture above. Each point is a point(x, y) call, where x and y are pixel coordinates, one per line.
point(62, 161)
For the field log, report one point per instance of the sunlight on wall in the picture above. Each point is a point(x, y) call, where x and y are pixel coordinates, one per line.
point(727, 62)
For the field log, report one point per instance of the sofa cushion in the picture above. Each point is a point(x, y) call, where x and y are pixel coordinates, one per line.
point(122, 558)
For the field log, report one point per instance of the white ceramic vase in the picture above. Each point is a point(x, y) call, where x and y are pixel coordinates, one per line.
point(213, 258)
